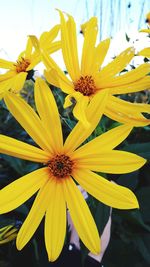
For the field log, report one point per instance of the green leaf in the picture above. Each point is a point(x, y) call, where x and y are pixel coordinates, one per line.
point(142, 150)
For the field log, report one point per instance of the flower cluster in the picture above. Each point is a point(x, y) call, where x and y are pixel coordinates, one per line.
point(93, 88)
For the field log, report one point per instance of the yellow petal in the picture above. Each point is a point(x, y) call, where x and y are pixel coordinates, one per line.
point(94, 113)
point(109, 193)
point(88, 50)
point(129, 107)
point(112, 162)
point(5, 86)
point(48, 112)
point(19, 191)
point(47, 37)
point(145, 52)
point(7, 75)
point(127, 78)
point(52, 77)
point(104, 142)
point(79, 110)
point(126, 112)
point(55, 75)
point(81, 216)
point(16, 148)
point(55, 222)
point(28, 50)
point(34, 217)
point(92, 21)
point(100, 53)
point(117, 65)
point(28, 119)
point(19, 81)
point(59, 80)
point(145, 30)
point(53, 47)
point(69, 46)
point(5, 64)
point(133, 87)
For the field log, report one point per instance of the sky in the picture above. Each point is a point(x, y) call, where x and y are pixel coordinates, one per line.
point(20, 18)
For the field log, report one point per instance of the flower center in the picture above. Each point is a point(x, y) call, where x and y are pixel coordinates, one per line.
point(22, 65)
point(85, 85)
point(60, 166)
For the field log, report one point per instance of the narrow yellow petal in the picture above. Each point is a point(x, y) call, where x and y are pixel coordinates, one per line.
point(126, 112)
point(28, 119)
point(16, 148)
point(7, 75)
point(100, 53)
point(145, 52)
point(55, 75)
point(34, 217)
point(126, 106)
point(48, 112)
point(139, 85)
point(69, 46)
point(127, 78)
point(55, 222)
point(19, 81)
point(53, 47)
point(28, 50)
point(5, 64)
point(80, 108)
point(88, 50)
point(81, 216)
point(109, 193)
point(94, 113)
point(52, 77)
point(19, 191)
point(5, 86)
point(112, 162)
point(104, 142)
point(71, 28)
point(92, 21)
point(145, 30)
point(59, 80)
point(118, 64)
point(47, 37)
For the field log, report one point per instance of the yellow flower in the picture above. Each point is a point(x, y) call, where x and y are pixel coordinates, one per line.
point(14, 79)
point(90, 79)
point(63, 165)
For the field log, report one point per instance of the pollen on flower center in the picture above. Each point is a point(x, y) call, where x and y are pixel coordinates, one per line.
point(60, 166)
point(85, 85)
point(22, 65)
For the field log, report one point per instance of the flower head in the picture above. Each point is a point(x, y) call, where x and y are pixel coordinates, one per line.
point(64, 162)
point(21, 70)
point(88, 79)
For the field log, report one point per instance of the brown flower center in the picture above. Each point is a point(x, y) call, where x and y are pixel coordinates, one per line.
point(85, 85)
point(60, 166)
point(22, 65)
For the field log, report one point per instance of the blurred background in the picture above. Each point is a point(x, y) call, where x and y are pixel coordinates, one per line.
point(120, 19)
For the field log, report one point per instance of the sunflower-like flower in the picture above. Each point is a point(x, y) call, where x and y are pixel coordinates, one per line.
point(65, 165)
point(90, 79)
point(14, 79)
